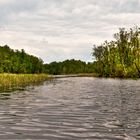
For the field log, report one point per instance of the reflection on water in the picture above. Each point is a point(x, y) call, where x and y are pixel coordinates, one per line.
point(4, 96)
point(73, 109)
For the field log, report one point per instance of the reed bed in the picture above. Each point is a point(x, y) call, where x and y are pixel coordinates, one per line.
point(17, 81)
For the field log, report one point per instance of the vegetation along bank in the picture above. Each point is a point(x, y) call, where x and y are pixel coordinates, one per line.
point(9, 82)
point(120, 57)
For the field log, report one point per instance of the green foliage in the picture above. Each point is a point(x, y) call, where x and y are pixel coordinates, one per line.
point(18, 61)
point(9, 82)
point(119, 58)
point(69, 67)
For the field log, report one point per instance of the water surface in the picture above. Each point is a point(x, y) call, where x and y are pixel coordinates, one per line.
point(77, 108)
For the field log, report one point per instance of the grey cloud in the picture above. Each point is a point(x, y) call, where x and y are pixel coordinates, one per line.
point(66, 27)
point(13, 8)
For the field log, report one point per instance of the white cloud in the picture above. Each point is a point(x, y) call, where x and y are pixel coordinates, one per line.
point(62, 29)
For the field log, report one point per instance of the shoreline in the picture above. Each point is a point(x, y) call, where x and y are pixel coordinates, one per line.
point(12, 82)
point(92, 75)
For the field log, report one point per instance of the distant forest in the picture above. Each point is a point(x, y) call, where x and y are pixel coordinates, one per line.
point(69, 67)
point(15, 61)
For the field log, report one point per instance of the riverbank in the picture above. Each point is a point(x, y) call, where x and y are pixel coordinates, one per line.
point(76, 75)
point(16, 81)
point(93, 75)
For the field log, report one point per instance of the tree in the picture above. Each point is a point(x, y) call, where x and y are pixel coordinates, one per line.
point(120, 57)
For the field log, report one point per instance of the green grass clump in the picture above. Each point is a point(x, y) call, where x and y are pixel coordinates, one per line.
point(17, 81)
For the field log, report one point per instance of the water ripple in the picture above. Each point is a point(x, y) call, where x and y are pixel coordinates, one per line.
point(78, 108)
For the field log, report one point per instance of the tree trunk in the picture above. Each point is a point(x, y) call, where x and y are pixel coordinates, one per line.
point(137, 69)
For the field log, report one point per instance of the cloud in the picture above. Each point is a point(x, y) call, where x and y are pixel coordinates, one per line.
point(62, 29)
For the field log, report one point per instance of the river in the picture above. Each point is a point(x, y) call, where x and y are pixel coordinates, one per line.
point(73, 108)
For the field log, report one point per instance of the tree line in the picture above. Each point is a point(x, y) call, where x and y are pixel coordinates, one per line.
point(120, 57)
point(69, 67)
point(15, 61)
point(117, 58)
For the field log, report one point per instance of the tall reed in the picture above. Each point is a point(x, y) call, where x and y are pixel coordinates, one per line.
point(15, 81)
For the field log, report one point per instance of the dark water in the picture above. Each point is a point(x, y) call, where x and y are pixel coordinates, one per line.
point(73, 109)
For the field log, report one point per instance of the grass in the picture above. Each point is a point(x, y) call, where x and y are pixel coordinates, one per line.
point(16, 81)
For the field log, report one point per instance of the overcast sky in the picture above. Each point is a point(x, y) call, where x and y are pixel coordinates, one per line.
point(55, 30)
